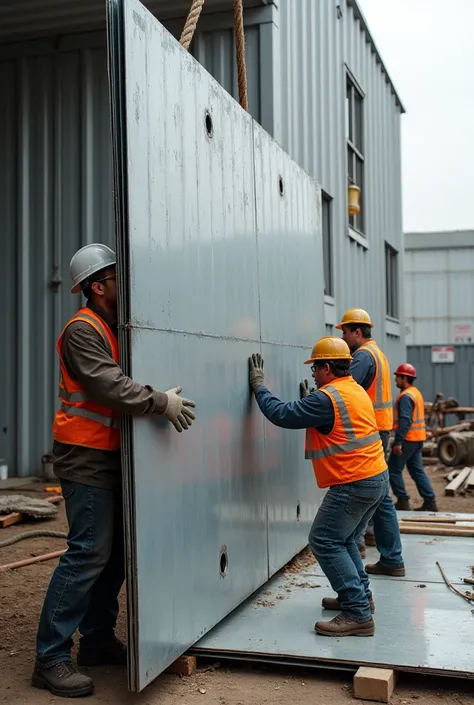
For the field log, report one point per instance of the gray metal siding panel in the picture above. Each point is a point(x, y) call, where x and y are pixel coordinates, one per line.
point(452, 380)
point(439, 294)
point(55, 156)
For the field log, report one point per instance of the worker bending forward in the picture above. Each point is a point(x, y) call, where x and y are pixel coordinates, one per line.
point(93, 392)
point(343, 442)
point(410, 433)
point(370, 369)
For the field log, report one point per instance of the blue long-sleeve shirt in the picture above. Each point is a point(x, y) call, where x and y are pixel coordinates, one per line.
point(314, 411)
point(405, 418)
point(363, 368)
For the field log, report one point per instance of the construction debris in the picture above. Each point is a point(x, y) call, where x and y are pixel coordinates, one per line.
point(468, 596)
point(458, 483)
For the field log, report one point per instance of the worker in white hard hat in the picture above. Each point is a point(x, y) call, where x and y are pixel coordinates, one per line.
point(371, 370)
point(94, 393)
point(344, 445)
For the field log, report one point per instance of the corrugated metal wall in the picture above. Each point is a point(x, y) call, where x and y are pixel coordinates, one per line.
point(55, 159)
point(451, 379)
point(316, 47)
point(56, 181)
point(439, 291)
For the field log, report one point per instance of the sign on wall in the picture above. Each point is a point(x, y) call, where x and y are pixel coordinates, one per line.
point(462, 334)
point(442, 353)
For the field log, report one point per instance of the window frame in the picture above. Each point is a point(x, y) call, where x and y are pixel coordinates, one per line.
point(327, 241)
point(355, 146)
point(392, 288)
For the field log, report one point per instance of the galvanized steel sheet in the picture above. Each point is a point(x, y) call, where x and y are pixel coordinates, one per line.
point(220, 254)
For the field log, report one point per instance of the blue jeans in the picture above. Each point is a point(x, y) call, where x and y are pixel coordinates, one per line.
point(411, 457)
point(84, 588)
point(332, 540)
point(369, 529)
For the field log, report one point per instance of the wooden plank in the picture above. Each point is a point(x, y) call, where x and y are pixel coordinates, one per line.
point(184, 666)
point(436, 520)
point(435, 530)
point(470, 481)
point(17, 517)
point(456, 485)
point(374, 684)
point(34, 559)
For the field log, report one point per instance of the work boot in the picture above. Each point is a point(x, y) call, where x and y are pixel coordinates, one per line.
point(380, 569)
point(333, 604)
point(429, 505)
point(369, 540)
point(403, 505)
point(344, 626)
point(62, 680)
point(362, 550)
point(113, 653)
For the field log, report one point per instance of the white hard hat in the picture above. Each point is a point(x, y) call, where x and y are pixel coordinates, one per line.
point(87, 261)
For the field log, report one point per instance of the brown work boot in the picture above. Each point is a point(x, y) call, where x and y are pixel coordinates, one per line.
point(333, 604)
point(429, 505)
point(344, 626)
point(62, 680)
point(380, 569)
point(403, 505)
point(370, 540)
point(362, 550)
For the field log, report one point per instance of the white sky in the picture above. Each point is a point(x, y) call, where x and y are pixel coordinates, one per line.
point(428, 49)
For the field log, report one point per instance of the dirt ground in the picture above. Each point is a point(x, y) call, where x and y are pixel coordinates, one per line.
point(230, 683)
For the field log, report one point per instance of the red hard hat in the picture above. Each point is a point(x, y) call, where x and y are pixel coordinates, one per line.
point(406, 369)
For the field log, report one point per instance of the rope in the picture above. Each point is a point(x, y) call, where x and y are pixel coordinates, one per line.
point(191, 23)
point(240, 51)
point(31, 535)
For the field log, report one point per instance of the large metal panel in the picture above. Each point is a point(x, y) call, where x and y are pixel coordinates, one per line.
point(198, 278)
point(277, 626)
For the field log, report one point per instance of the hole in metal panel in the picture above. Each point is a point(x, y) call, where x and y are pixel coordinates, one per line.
point(298, 511)
point(209, 125)
point(281, 186)
point(223, 561)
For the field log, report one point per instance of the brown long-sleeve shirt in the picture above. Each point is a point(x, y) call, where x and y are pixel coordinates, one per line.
point(87, 361)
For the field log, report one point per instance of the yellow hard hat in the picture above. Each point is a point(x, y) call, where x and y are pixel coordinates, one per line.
point(355, 315)
point(330, 348)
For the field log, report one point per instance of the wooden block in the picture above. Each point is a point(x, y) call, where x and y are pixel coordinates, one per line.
point(456, 485)
point(470, 481)
point(374, 684)
point(184, 666)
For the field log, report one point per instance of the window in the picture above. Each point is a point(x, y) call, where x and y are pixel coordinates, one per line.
point(391, 281)
point(355, 147)
point(327, 243)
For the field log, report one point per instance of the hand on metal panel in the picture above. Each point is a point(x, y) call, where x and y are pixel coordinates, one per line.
point(177, 410)
point(256, 373)
point(305, 390)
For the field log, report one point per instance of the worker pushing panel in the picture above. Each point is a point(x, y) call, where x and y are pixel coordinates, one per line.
point(220, 251)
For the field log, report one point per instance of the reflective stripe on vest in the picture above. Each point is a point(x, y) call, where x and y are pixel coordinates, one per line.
point(417, 430)
point(378, 403)
point(92, 415)
point(352, 443)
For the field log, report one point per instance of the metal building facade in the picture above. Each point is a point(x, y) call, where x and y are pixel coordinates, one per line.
point(439, 288)
point(55, 165)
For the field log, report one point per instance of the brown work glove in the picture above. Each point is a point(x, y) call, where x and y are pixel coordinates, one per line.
point(178, 411)
point(256, 373)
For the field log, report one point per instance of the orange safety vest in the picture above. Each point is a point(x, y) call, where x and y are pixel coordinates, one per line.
point(417, 430)
point(380, 391)
point(352, 450)
point(79, 420)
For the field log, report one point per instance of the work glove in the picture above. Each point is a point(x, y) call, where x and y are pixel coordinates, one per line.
point(256, 373)
point(177, 410)
point(305, 391)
